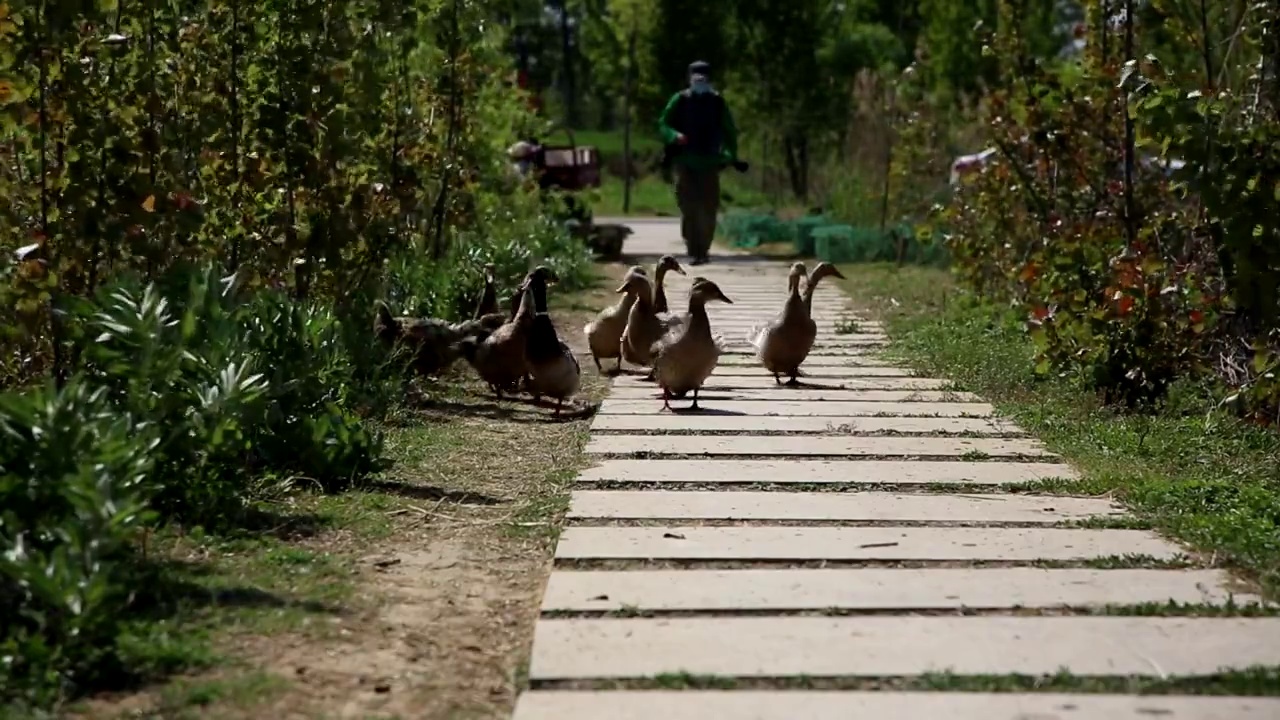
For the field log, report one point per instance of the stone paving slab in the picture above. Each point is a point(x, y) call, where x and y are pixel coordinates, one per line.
point(813, 362)
point(866, 589)
point(823, 472)
point(730, 338)
point(784, 393)
point(802, 408)
point(835, 705)
point(884, 646)
point(801, 445)
point(657, 420)
point(766, 381)
point(860, 506)
point(869, 355)
point(815, 371)
point(879, 544)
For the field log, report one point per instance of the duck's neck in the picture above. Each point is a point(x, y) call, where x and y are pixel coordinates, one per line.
point(626, 302)
point(539, 292)
point(519, 306)
point(698, 320)
point(644, 300)
point(658, 275)
point(808, 294)
point(488, 297)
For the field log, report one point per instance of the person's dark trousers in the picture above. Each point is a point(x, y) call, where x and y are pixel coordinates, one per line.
point(698, 196)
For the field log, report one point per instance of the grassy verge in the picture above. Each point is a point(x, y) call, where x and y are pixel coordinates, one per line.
point(1193, 472)
point(413, 596)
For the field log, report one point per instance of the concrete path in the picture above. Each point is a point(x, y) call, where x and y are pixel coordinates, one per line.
point(854, 535)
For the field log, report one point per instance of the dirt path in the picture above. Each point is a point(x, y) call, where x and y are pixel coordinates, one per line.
point(861, 534)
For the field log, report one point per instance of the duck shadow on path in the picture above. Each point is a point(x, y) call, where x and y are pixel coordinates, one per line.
point(710, 411)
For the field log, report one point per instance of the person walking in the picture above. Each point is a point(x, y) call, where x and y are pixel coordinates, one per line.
point(701, 139)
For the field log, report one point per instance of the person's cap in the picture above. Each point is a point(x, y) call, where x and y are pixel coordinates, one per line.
point(700, 67)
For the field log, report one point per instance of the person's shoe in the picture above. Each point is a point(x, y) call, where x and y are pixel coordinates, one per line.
point(701, 260)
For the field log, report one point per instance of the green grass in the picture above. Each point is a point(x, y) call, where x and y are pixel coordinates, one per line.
point(650, 195)
point(1200, 475)
point(610, 142)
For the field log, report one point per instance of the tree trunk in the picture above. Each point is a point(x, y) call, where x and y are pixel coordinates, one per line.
point(626, 127)
point(796, 151)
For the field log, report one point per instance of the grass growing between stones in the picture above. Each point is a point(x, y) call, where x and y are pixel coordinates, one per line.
point(1193, 471)
point(1262, 681)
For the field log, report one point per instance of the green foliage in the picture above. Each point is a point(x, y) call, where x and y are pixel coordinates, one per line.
point(303, 143)
point(199, 203)
point(1131, 277)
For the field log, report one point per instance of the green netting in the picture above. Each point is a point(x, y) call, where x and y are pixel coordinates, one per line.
point(802, 232)
point(749, 230)
point(821, 237)
point(849, 244)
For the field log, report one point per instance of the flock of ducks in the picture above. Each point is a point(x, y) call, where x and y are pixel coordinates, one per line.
point(520, 349)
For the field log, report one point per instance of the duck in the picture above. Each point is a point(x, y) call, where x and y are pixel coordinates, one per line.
point(434, 343)
point(553, 371)
point(604, 333)
point(499, 356)
point(644, 325)
point(666, 263)
point(687, 355)
point(488, 304)
point(783, 349)
point(780, 344)
point(820, 271)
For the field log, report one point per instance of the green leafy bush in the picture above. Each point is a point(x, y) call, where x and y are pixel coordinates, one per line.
point(1131, 275)
point(75, 474)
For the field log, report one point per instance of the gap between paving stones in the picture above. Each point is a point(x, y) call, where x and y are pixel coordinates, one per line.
point(832, 488)
point(661, 522)
point(1219, 686)
point(1102, 562)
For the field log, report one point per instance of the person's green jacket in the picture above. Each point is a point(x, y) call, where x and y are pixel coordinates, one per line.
point(728, 150)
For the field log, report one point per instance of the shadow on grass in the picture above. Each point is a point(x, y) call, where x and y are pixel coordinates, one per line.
point(431, 492)
point(179, 587)
point(292, 525)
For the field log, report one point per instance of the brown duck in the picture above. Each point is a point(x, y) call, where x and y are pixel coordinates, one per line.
point(780, 344)
point(499, 358)
point(604, 334)
point(434, 344)
point(488, 304)
point(553, 370)
point(666, 263)
point(645, 326)
point(685, 357)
